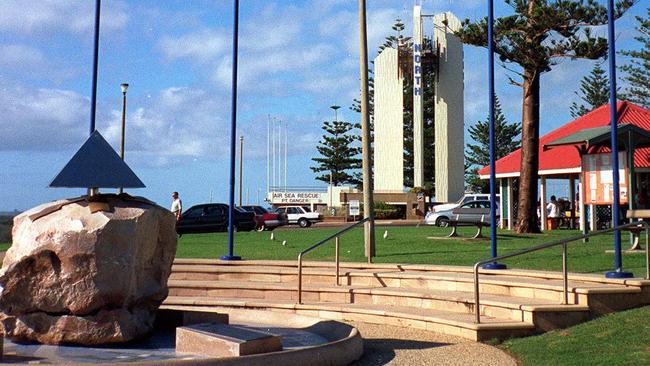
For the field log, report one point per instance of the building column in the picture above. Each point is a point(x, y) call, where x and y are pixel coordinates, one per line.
point(583, 211)
point(542, 203)
point(511, 205)
point(572, 196)
point(501, 205)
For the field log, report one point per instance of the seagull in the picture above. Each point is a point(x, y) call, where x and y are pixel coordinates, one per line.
point(284, 242)
point(385, 234)
point(272, 236)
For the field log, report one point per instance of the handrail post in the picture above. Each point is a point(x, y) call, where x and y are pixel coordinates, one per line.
point(477, 310)
point(565, 274)
point(337, 243)
point(300, 278)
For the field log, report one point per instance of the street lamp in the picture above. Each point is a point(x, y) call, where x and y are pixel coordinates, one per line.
point(124, 87)
point(336, 111)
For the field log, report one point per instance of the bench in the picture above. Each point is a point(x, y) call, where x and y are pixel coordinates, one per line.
point(636, 231)
point(480, 224)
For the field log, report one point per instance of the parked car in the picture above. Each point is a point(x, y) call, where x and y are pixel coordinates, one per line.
point(470, 211)
point(299, 215)
point(212, 217)
point(467, 197)
point(265, 219)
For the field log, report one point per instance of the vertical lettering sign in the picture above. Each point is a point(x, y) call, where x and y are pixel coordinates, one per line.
point(417, 69)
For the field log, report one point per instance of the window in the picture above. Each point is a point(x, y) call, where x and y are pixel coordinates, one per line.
point(293, 210)
point(193, 213)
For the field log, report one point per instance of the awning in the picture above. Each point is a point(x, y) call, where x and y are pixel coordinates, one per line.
point(600, 136)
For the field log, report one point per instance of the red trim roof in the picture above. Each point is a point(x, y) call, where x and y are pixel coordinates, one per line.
point(567, 157)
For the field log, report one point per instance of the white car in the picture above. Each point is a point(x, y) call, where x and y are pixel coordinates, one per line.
point(470, 211)
point(466, 198)
point(298, 215)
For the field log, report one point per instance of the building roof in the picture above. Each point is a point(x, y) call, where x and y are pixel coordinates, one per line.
point(96, 165)
point(566, 159)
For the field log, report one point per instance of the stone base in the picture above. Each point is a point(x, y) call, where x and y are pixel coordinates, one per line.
point(220, 340)
point(171, 319)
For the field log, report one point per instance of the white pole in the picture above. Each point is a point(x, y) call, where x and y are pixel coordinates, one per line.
point(268, 155)
point(279, 153)
point(286, 133)
point(273, 131)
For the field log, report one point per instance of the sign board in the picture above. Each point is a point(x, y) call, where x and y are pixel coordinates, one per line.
point(420, 196)
point(598, 178)
point(354, 208)
point(299, 198)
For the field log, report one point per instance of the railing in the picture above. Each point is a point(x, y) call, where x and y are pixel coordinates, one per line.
point(564, 243)
point(334, 236)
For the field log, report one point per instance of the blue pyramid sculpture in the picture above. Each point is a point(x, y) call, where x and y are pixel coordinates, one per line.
point(96, 165)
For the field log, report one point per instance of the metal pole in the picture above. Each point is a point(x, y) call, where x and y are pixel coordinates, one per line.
point(273, 162)
point(300, 278)
point(124, 87)
point(618, 261)
point(93, 97)
point(337, 242)
point(493, 218)
point(268, 156)
point(233, 137)
point(286, 133)
point(368, 210)
point(565, 274)
point(241, 166)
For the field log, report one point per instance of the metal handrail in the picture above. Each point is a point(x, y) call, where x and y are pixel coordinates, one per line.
point(564, 243)
point(335, 236)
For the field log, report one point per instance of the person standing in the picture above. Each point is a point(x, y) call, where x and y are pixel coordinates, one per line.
point(177, 206)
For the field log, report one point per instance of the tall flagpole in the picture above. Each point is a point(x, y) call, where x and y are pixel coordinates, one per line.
point(286, 134)
point(493, 200)
point(268, 155)
point(618, 260)
point(93, 96)
point(233, 137)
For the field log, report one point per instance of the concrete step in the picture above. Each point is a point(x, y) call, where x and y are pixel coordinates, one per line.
point(441, 321)
point(529, 284)
point(506, 307)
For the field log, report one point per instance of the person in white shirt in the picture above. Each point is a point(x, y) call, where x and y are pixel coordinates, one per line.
point(553, 209)
point(177, 206)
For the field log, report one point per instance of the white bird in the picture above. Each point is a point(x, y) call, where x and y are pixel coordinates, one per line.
point(385, 234)
point(284, 242)
point(272, 236)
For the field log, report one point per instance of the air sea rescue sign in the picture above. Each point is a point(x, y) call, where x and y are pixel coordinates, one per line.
point(298, 197)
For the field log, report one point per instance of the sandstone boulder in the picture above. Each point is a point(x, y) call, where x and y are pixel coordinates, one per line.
point(86, 273)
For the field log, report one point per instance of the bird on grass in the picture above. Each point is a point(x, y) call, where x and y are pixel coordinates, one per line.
point(385, 234)
point(272, 236)
point(284, 242)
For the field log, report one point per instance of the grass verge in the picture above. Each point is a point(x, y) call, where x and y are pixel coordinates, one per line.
point(615, 339)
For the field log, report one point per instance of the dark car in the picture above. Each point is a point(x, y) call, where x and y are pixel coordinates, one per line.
point(212, 217)
point(266, 220)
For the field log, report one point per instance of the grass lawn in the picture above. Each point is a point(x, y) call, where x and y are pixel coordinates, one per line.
point(616, 339)
point(411, 245)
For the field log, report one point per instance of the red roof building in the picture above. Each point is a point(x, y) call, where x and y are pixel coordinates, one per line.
point(564, 162)
point(566, 159)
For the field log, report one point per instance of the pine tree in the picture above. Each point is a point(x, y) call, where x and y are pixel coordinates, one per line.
point(638, 70)
point(535, 37)
point(478, 155)
point(339, 156)
point(594, 92)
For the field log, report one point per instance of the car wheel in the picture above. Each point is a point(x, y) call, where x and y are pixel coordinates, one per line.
point(442, 221)
point(261, 228)
point(303, 222)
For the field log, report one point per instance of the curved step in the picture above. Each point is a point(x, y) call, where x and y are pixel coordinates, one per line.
point(433, 320)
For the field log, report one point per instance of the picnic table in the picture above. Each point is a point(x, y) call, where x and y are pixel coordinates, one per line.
point(637, 230)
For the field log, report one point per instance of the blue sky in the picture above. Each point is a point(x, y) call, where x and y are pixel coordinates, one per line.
point(296, 59)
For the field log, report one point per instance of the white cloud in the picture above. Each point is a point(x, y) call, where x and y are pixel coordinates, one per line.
point(200, 47)
point(46, 15)
point(21, 57)
point(42, 119)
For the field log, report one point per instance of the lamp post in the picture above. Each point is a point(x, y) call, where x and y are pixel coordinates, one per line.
point(124, 87)
point(336, 111)
point(336, 118)
point(368, 211)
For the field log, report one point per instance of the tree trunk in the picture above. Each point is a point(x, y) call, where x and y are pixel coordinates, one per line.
point(527, 210)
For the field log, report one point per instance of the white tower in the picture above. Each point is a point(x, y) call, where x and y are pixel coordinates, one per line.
point(388, 123)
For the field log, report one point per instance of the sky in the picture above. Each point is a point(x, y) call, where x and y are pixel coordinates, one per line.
point(296, 58)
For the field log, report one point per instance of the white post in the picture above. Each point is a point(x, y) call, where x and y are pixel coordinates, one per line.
point(542, 203)
point(501, 218)
point(286, 133)
point(583, 211)
point(511, 205)
point(273, 133)
point(268, 155)
point(592, 217)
